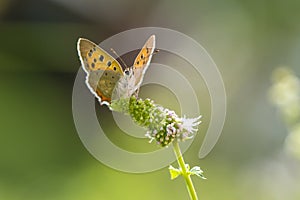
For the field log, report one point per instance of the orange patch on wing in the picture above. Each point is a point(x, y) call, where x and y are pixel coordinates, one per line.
point(142, 58)
point(103, 98)
point(97, 58)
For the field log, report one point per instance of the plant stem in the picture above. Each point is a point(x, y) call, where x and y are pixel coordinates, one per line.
point(185, 174)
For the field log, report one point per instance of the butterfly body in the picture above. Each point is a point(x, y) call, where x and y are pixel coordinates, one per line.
point(105, 77)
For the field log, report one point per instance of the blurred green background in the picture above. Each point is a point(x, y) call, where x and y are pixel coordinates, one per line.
point(41, 155)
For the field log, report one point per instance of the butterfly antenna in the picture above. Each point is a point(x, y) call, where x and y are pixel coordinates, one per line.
point(114, 52)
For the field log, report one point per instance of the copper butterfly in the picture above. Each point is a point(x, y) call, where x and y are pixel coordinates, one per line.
point(105, 77)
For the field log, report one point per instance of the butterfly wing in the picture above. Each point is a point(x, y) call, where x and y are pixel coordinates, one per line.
point(142, 61)
point(103, 71)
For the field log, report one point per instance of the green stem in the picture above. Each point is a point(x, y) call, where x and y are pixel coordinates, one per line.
point(185, 174)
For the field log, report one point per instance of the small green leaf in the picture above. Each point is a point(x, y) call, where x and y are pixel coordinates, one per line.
point(197, 171)
point(174, 172)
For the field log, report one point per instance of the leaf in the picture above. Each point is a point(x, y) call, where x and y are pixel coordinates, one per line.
point(197, 171)
point(174, 172)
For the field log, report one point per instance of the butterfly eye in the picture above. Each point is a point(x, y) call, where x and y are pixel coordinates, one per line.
point(126, 72)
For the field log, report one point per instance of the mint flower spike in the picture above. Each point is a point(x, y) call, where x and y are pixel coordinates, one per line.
point(163, 125)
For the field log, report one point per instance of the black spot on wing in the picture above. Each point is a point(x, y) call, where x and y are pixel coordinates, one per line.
point(101, 58)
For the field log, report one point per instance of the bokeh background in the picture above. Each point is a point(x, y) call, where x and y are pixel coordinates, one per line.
point(41, 155)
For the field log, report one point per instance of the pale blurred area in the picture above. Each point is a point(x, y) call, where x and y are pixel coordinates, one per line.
point(285, 93)
point(257, 155)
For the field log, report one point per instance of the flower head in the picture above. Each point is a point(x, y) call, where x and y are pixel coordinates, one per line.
point(163, 125)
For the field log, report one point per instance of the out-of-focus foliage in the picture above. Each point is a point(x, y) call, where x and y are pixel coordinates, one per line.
point(41, 155)
point(285, 93)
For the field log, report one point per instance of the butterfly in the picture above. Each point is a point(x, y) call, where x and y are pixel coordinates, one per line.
point(106, 78)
